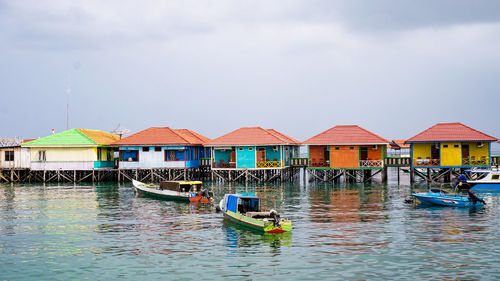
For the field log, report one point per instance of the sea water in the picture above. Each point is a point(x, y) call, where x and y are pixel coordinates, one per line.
point(340, 232)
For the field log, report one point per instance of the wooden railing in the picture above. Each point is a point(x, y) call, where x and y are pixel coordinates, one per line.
point(223, 165)
point(426, 162)
point(301, 162)
point(371, 163)
point(313, 163)
point(472, 161)
point(397, 161)
point(269, 164)
point(205, 162)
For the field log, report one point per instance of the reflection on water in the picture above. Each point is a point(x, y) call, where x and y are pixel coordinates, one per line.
point(357, 231)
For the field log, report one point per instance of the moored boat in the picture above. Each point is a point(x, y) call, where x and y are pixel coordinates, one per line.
point(188, 191)
point(443, 198)
point(490, 182)
point(246, 210)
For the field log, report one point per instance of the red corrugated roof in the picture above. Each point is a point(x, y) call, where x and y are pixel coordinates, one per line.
point(253, 136)
point(163, 136)
point(401, 143)
point(450, 132)
point(346, 134)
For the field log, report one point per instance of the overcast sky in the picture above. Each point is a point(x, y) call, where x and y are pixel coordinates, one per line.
point(301, 67)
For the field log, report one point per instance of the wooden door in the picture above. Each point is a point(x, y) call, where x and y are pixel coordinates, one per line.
point(363, 153)
point(435, 152)
point(465, 151)
point(261, 156)
point(233, 156)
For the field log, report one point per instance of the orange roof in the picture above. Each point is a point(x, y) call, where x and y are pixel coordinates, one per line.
point(346, 134)
point(253, 136)
point(450, 132)
point(100, 137)
point(163, 136)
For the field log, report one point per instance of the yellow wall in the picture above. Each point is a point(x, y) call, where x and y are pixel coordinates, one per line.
point(478, 151)
point(422, 150)
point(104, 153)
point(451, 155)
point(65, 154)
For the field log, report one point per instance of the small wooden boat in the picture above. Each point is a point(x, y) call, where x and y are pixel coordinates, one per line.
point(440, 197)
point(189, 191)
point(245, 210)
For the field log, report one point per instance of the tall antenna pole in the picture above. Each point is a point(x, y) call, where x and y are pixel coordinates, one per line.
point(68, 92)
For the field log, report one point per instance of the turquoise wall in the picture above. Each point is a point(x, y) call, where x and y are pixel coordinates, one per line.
point(104, 164)
point(270, 154)
point(222, 155)
point(245, 158)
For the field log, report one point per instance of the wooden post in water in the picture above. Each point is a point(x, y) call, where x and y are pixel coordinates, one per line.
point(412, 175)
point(399, 169)
point(384, 174)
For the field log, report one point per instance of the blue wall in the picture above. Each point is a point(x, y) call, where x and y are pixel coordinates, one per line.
point(190, 154)
point(245, 157)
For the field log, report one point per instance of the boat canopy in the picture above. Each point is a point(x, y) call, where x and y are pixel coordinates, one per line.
point(230, 202)
point(182, 186)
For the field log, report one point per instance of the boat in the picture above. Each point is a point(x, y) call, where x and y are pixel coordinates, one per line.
point(188, 191)
point(246, 210)
point(489, 182)
point(440, 197)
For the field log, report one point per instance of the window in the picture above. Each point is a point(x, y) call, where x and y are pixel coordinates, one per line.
point(445, 145)
point(495, 177)
point(250, 148)
point(9, 155)
point(99, 152)
point(158, 148)
point(352, 147)
point(42, 155)
point(145, 148)
point(109, 157)
point(240, 149)
point(129, 155)
point(337, 148)
point(196, 153)
point(456, 146)
point(170, 155)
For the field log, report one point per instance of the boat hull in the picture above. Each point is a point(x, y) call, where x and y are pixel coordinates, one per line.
point(486, 187)
point(445, 200)
point(157, 195)
point(145, 190)
point(256, 224)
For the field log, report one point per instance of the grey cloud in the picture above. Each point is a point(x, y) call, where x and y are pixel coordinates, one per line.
point(387, 15)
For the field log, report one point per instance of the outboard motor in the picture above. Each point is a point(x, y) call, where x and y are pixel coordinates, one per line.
point(473, 197)
point(276, 218)
point(205, 193)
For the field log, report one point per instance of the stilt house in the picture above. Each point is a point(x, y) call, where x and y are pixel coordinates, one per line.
point(346, 147)
point(162, 147)
point(74, 149)
point(12, 155)
point(451, 145)
point(253, 148)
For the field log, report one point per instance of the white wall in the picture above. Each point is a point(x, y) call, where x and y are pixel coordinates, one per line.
point(78, 165)
point(21, 158)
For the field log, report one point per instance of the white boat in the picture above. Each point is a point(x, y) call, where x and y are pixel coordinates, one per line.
point(189, 191)
point(489, 182)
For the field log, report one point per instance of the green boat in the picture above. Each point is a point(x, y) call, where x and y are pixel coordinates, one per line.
point(245, 210)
